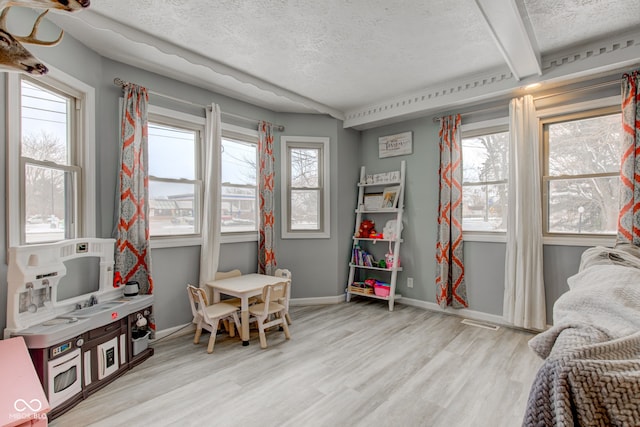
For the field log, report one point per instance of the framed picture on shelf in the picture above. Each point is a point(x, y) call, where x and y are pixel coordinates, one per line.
point(390, 197)
point(373, 201)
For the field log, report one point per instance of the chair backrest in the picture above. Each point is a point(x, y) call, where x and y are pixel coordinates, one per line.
point(220, 275)
point(283, 272)
point(275, 292)
point(197, 299)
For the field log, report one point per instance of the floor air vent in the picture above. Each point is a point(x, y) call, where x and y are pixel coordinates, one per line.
point(480, 324)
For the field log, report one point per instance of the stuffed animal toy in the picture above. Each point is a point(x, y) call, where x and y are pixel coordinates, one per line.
point(366, 228)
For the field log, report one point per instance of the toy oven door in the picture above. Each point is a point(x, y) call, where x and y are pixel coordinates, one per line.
point(64, 379)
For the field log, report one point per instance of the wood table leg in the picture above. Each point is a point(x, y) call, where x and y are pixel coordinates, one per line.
point(244, 319)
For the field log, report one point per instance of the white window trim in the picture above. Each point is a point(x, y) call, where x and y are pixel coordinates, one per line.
point(239, 237)
point(484, 236)
point(485, 124)
point(247, 236)
point(325, 233)
point(577, 240)
point(86, 150)
point(501, 237)
point(610, 101)
point(156, 242)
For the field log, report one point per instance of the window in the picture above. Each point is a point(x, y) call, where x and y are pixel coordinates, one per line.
point(485, 170)
point(581, 172)
point(51, 151)
point(239, 180)
point(175, 179)
point(305, 193)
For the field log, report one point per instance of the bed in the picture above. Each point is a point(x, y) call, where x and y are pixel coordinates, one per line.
point(591, 370)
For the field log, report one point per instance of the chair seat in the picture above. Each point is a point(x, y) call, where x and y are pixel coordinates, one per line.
point(220, 309)
point(274, 307)
point(237, 302)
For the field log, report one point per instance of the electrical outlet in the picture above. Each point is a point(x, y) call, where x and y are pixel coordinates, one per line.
point(409, 282)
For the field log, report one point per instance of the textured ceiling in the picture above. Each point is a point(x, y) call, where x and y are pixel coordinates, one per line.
point(561, 24)
point(349, 58)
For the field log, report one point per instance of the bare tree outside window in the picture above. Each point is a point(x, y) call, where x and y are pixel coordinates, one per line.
point(44, 186)
point(305, 191)
point(485, 169)
point(306, 187)
point(48, 174)
point(582, 174)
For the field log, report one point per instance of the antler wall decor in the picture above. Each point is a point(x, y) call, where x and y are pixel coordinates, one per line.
point(13, 55)
point(68, 6)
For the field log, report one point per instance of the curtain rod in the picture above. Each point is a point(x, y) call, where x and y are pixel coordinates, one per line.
point(548, 95)
point(482, 110)
point(119, 82)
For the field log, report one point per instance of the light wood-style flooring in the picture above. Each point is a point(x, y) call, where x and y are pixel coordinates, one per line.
point(350, 364)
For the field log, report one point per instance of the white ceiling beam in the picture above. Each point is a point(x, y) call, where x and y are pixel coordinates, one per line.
point(517, 45)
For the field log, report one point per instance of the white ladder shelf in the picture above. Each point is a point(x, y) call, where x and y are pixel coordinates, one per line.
point(395, 212)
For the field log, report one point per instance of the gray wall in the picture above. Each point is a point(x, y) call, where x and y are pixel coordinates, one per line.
point(319, 266)
point(417, 252)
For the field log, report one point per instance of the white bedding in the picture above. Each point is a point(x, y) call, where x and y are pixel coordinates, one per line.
point(603, 303)
point(591, 372)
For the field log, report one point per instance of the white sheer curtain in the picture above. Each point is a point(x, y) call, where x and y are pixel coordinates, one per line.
point(524, 298)
point(210, 251)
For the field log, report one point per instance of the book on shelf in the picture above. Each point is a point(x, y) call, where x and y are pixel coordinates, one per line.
point(362, 258)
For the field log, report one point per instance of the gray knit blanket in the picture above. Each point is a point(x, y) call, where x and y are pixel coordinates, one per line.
point(591, 370)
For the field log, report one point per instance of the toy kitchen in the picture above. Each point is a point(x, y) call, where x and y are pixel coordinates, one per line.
point(81, 331)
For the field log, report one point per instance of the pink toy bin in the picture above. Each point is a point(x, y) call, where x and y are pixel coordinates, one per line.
point(381, 290)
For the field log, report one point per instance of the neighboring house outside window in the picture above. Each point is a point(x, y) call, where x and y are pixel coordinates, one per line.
point(305, 189)
point(485, 163)
point(51, 150)
point(175, 174)
point(581, 181)
point(239, 194)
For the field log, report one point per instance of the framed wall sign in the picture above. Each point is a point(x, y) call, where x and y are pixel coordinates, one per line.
point(395, 145)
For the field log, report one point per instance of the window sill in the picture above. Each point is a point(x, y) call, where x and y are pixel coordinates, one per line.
point(586, 241)
point(580, 240)
point(239, 237)
point(177, 242)
point(478, 236)
point(306, 235)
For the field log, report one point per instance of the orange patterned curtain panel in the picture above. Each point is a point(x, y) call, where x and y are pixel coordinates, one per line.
point(629, 218)
point(132, 258)
point(451, 289)
point(266, 253)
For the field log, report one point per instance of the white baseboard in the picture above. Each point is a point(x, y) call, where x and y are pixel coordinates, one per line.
point(426, 305)
point(318, 300)
point(188, 328)
point(461, 312)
